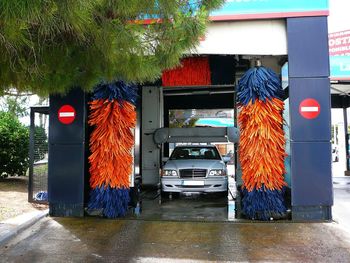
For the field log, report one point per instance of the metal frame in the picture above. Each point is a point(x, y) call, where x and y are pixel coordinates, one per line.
point(311, 174)
point(196, 135)
point(33, 110)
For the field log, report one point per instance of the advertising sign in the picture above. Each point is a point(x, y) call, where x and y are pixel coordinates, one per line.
point(339, 43)
point(260, 9)
point(340, 67)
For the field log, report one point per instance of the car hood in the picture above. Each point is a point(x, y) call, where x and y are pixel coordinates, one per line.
point(197, 164)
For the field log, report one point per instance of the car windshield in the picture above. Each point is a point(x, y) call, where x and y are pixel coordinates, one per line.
point(188, 153)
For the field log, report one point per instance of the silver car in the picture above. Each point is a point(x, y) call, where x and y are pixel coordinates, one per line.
point(194, 168)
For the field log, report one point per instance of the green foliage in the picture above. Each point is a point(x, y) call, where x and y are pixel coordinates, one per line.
point(14, 145)
point(16, 105)
point(49, 46)
point(41, 143)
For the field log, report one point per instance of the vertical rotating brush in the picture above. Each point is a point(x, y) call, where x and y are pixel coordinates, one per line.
point(113, 116)
point(262, 143)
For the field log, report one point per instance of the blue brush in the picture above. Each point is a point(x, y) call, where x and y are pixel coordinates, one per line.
point(113, 201)
point(263, 204)
point(117, 90)
point(259, 83)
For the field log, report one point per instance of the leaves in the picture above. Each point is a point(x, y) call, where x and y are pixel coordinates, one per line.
point(50, 46)
point(17, 105)
point(14, 146)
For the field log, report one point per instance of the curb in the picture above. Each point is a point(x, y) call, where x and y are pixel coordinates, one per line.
point(13, 226)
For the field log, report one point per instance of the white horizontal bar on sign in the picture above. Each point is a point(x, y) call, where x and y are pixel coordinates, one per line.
point(309, 109)
point(66, 114)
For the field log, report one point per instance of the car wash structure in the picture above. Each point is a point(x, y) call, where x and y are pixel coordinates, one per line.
point(93, 133)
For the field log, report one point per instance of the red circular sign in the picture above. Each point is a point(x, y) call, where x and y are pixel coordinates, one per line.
point(309, 108)
point(66, 114)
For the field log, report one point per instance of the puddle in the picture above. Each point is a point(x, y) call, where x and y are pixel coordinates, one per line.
point(185, 207)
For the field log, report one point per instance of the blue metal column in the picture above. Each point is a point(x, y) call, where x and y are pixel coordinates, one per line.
point(67, 156)
point(312, 194)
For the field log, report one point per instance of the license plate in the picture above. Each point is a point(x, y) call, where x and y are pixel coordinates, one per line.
point(193, 183)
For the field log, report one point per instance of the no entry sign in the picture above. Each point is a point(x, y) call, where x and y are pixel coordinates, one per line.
point(66, 114)
point(309, 108)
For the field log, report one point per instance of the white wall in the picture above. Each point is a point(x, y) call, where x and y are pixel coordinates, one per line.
point(259, 37)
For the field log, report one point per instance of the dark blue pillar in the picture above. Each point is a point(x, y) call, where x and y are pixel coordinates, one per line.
point(312, 194)
point(67, 151)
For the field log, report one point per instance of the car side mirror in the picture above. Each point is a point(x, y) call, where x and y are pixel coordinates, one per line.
point(226, 159)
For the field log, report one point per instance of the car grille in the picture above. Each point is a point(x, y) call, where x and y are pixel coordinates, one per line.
point(193, 173)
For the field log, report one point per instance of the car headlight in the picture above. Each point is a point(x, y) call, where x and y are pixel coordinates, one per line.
point(217, 172)
point(169, 173)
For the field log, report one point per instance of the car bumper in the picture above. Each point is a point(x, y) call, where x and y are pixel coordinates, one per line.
point(204, 185)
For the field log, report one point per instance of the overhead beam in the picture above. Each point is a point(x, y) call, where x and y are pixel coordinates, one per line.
point(196, 135)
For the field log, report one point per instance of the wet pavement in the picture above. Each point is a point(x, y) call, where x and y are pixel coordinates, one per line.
point(190, 207)
point(209, 207)
point(102, 240)
point(341, 208)
point(175, 231)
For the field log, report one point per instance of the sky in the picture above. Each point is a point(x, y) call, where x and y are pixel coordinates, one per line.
point(339, 17)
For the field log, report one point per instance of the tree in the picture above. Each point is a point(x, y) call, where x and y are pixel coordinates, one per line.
point(181, 123)
point(15, 104)
point(49, 46)
point(14, 145)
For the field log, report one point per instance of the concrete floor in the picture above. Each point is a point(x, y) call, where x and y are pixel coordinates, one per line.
point(102, 240)
point(179, 238)
point(341, 208)
point(209, 207)
point(194, 207)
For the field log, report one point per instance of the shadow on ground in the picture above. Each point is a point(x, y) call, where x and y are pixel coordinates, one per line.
point(17, 184)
